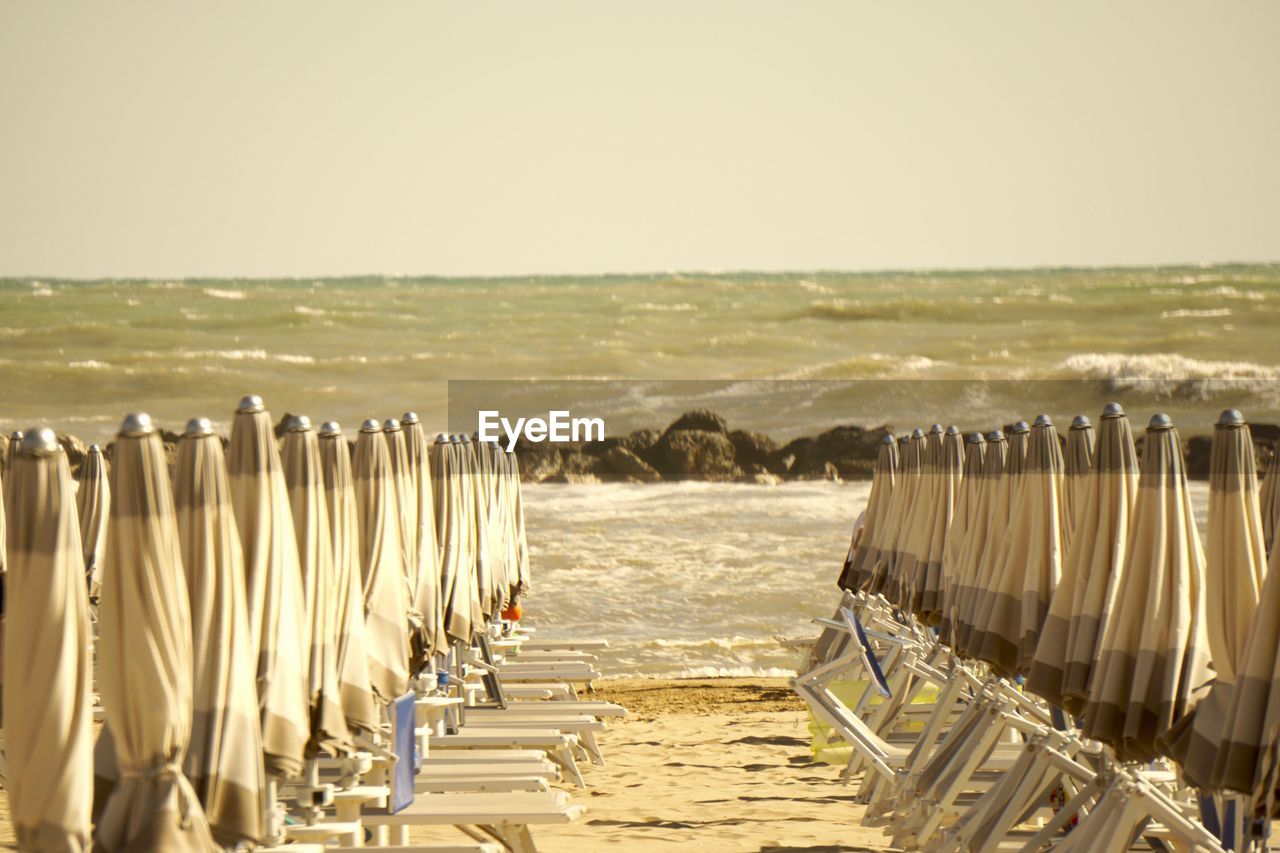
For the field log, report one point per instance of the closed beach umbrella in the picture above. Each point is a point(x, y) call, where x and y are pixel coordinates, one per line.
point(911, 461)
point(273, 586)
point(947, 473)
point(1077, 464)
point(1030, 557)
point(224, 757)
point(47, 657)
point(1096, 556)
point(456, 620)
point(406, 514)
point(856, 572)
point(966, 505)
point(1235, 562)
point(425, 598)
point(304, 475)
point(910, 566)
point(93, 504)
point(1269, 500)
point(145, 657)
point(1153, 659)
point(386, 626)
point(352, 659)
point(476, 483)
point(523, 580)
point(990, 562)
point(11, 451)
point(500, 557)
point(972, 547)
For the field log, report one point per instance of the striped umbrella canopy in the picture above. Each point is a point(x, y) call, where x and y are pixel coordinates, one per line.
point(425, 598)
point(1078, 463)
point(352, 659)
point(145, 657)
point(501, 554)
point(971, 569)
point(1269, 500)
point(966, 506)
point(856, 571)
point(1153, 658)
point(48, 720)
point(910, 461)
point(378, 523)
point(93, 505)
point(304, 475)
point(935, 531)
point(406, 495)
point(522, 576)
point(998, 528)
point(1030, 557)
point(908, 566)
point(11, 450)
point(476, 464)
point(224, 757)
point(273, 587)
point(1235, 563)
point(1096, 555)
point(456, 619)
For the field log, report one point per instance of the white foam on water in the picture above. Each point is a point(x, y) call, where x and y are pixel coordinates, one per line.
point(1194, 312)
point(218, 293)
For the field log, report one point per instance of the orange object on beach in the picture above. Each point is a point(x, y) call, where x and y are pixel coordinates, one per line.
point(513, 613)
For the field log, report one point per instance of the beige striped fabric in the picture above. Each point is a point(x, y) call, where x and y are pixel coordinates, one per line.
point(990, 562)
point(456, 619)
point(1269, 500)
point(476, 480)
point(1236, 565)
point(273, 586)
point(386, 626)
point(1153, 658)
point(93, 505)
point(1030, 557)
point(145, 657)
point(966, 504)
point(304, 475)
point(1077, 464)
point(934, 526)
point(911, 462)
point(500, 532)
point(425, 598)
point(523, 581)
point(909, 567)
point(1096, 556)
point(352, 659)
point(971, 568)
point(856, 572)
point(47, 658)
point(224, 757)
point(406, 513)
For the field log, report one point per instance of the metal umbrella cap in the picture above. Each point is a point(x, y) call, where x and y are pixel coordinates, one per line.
point(93, 448)
point(330, 428)
point(1081, 422)
point(1113, 410)
point(197, 427)
point(1230, 418)
point(1019, 428)
point(409, 418)
point(136, 425)
point(39, 441)
point(995, 435)
point(1160, 421)
point(371, 425)
point(975, 438)
point(441, 438)
point(1043, 421)
point(250, 404)
point(936, 429)
point(16, 436)
point(391, 425)
point(917, 433)
point(888, 439)
point(297, 423)
point(953, 430)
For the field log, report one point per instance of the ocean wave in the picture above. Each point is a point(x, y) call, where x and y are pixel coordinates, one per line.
point(89, 364)
point(1194, 312)
point(217, 293)
point(1172, 375)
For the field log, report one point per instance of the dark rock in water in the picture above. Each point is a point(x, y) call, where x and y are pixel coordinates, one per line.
point(1196, 450)
point(622, 463)
point(828, 471)
point(850, 450)
point(761, 476)
point(752, 448)
point(539, 462)
point(688, 454)
point(641, 441)
point(699, 419)
point(577, 467)
point(76, 451)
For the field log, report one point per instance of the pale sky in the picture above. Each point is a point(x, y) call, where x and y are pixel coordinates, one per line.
point(324, 138)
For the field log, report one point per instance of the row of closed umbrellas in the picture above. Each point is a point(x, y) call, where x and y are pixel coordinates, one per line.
point(255, 608)
point(1077, 568)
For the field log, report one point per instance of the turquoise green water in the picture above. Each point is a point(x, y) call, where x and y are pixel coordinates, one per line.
point(80, 354)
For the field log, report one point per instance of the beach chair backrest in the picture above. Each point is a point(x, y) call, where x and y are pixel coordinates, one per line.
point(405, 743)
point(869, 658)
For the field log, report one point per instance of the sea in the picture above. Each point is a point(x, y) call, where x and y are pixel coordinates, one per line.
point(693, 579)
